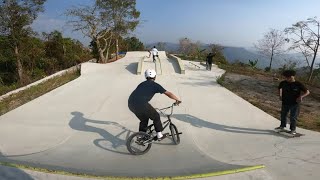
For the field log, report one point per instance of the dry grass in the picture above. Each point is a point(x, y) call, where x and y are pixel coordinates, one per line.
point(114, 58)
point(33, 92)
point(260, 89)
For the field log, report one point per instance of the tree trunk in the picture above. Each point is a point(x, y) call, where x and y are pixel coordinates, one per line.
point(19, 64)
point(307, 61)
point(102, 59)
point(310, 74)
point(107, 54)
point(117, 48)
point(108, 49)
point(311, 67)
point(101, 56)
point(314, 57)
point(271, 61)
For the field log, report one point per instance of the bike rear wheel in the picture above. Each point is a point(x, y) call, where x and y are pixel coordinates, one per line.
point(139, 143)
point(174, 134)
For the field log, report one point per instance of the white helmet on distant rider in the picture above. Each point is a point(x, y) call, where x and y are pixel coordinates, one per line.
point(150, 74)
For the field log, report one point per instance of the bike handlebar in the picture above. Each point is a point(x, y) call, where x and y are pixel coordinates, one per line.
point(173, 104)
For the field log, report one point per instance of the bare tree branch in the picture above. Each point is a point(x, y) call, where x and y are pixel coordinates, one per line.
point(306, 37)
point(272, 44)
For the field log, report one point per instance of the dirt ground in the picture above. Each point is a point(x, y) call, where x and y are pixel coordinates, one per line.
point(262, 91)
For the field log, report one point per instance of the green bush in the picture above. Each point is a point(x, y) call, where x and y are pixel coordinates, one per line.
point(6, 89)
point(253, 64)
point(38, 74)
point(220, 79)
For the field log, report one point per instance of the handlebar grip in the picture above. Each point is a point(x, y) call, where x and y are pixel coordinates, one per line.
point(177, 103)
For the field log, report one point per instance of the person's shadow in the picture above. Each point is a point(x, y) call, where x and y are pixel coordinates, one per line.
point(11, 173)
point(197, 122)
point(118, 145)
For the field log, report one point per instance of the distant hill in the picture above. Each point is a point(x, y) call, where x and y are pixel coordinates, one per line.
point(241, 54)
point(170, 47)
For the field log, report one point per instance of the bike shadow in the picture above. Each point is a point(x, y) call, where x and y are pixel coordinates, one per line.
point(197, 122)
point(110, 142)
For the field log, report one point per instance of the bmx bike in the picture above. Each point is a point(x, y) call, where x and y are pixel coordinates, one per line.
point(140, 142)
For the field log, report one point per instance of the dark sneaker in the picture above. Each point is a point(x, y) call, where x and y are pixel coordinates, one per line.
point(279, 128)
point(141, 139)
point(155, 138)
point(163, 137)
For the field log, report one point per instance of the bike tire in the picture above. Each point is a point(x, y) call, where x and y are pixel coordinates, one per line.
point(174, 134)
point(132, 140)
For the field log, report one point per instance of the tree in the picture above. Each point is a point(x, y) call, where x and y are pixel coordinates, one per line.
point(67, 52)
point(191, 49)
point(33, 50)
point(306, 37)
point(7, 65)
point(90, 21)
point(272, 44)
point(104, 20)
point(195, 51)
point(253, 63)
point(217, 50)
point(122, 15)
point(133, 44)
point(54, 46)
point(16, 16)
point(184, 45)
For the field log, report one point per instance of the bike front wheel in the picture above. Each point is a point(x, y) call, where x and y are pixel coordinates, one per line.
point(174, 134)
point(139, 143)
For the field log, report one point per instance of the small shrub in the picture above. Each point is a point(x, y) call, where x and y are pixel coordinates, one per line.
point(253, 64)
point(220, 79)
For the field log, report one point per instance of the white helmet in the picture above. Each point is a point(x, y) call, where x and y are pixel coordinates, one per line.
point(150, 73)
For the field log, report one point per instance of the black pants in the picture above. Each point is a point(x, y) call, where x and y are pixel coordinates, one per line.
point(294, 113)
point(154, 57)
point(209, 65)
point(144, 113)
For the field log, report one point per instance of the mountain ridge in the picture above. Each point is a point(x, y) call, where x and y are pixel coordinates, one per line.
point(242, 54)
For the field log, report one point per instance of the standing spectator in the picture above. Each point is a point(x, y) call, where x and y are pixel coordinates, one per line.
point(209, 61)
point(291, 93)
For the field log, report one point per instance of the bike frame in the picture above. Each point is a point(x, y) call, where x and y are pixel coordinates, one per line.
point(151, 138)
point(168, 121)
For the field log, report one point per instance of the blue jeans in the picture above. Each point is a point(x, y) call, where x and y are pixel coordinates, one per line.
point(294, 113)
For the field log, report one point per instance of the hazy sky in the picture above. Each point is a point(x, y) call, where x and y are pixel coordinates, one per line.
point(227, 22)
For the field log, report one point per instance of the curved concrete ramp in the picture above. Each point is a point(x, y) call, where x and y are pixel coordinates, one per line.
point(83, 125)
point(98, 148)
point(163, 65)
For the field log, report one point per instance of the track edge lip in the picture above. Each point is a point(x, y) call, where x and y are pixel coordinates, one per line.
point(61, 172)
